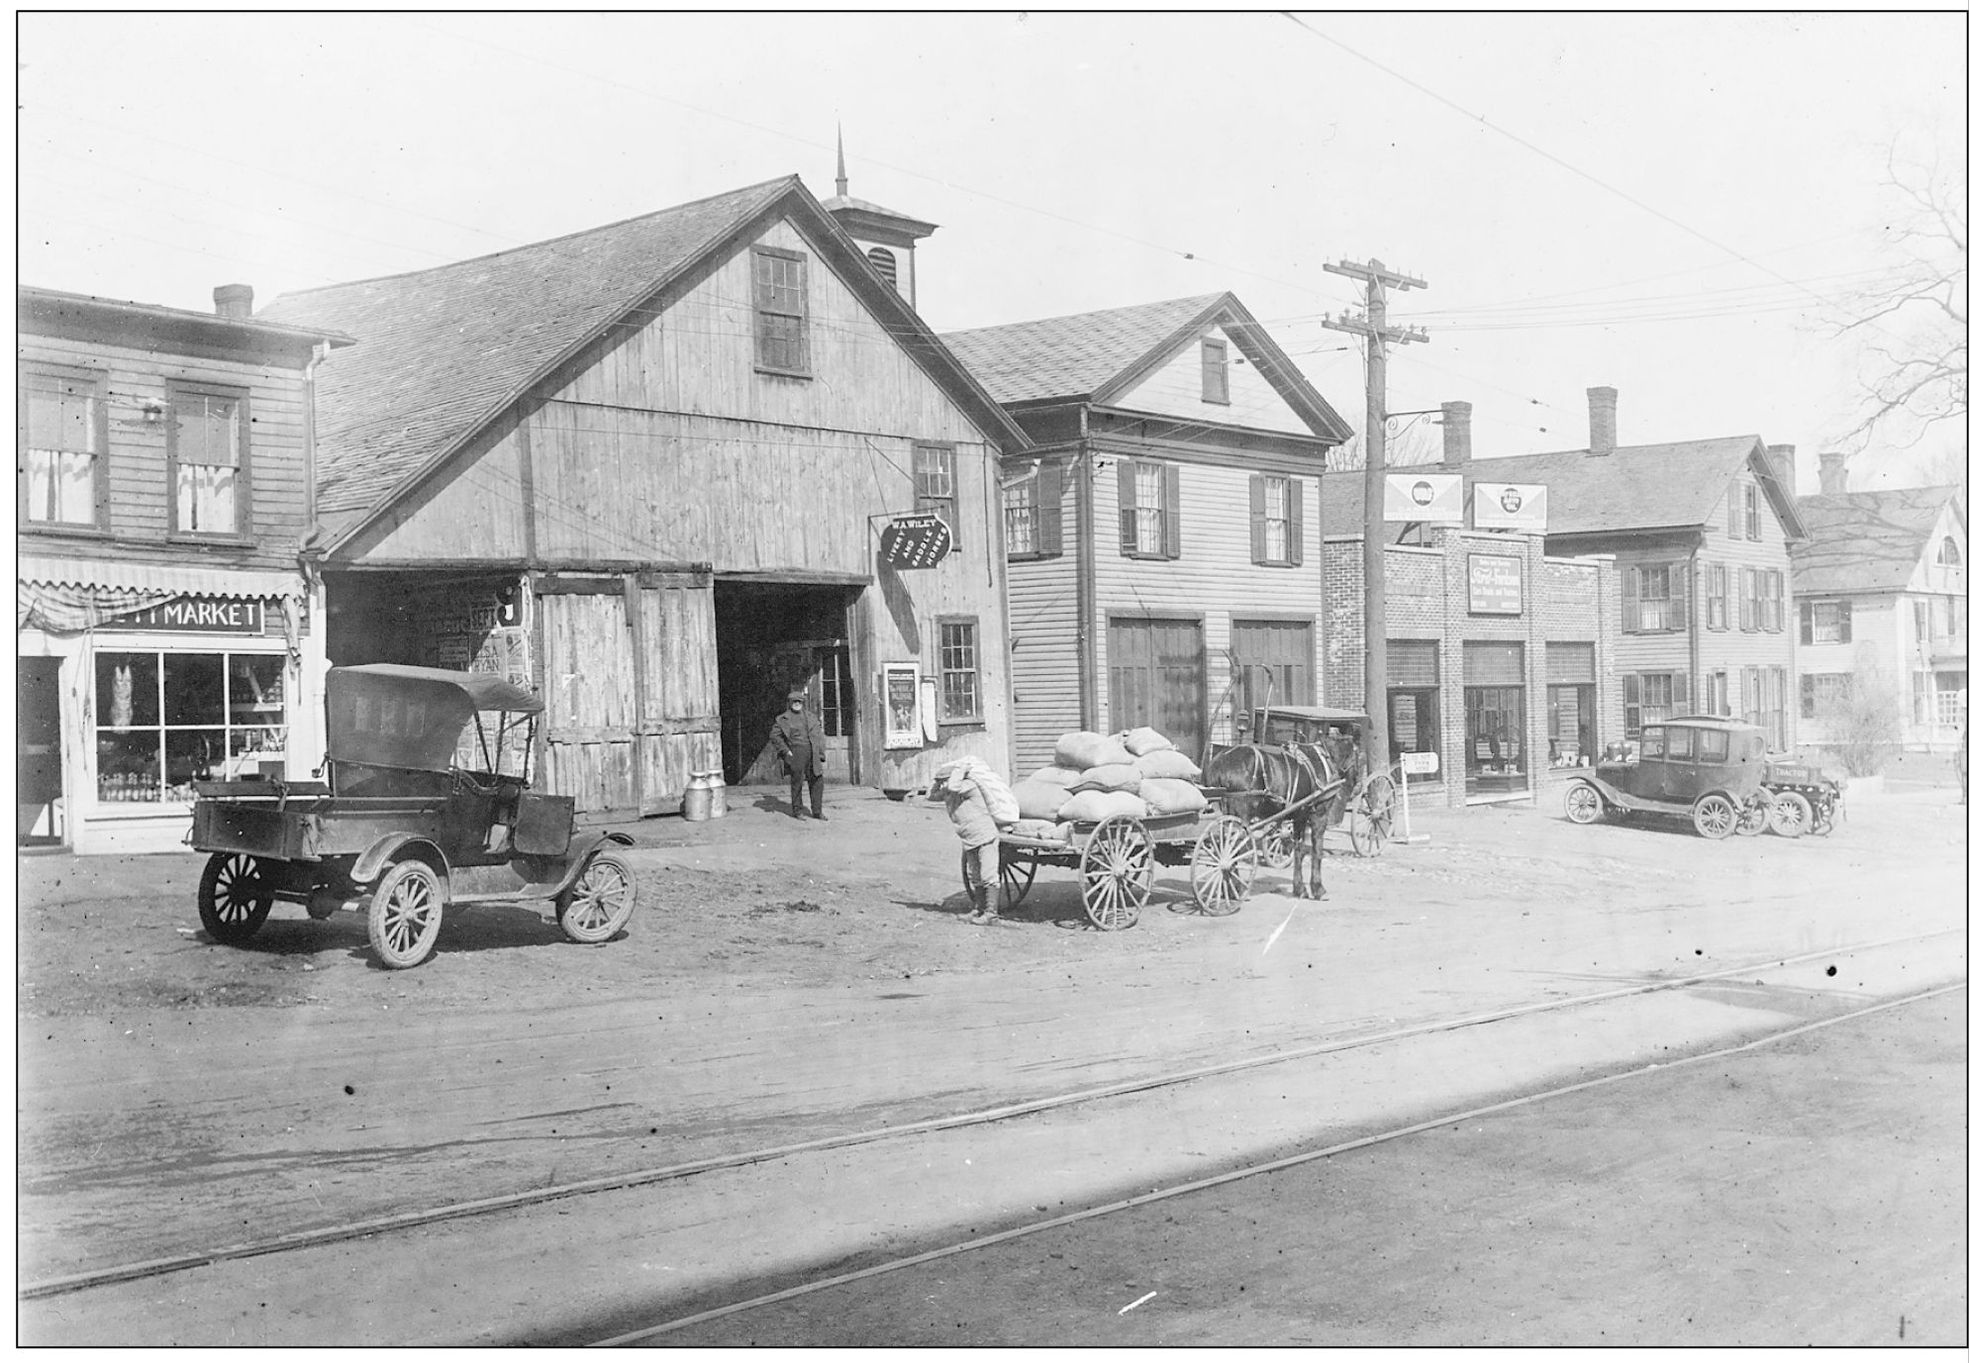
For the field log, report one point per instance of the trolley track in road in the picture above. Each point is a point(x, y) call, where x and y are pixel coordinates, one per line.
point(355, 1230)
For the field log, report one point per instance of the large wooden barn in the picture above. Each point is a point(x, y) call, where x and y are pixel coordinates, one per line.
point(647, 469)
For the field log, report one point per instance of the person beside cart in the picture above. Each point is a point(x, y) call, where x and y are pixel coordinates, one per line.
point(968, 803)
point(802, 747)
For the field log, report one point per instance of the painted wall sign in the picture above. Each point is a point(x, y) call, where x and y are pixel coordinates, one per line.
point(1497, 585)
point(199, 615)
point(1436, 499)
point(918, 541)
point(902, 687)
point(1508, 506)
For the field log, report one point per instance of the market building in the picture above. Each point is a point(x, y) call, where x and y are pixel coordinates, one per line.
point(165, 630)
point(656, 470)
point(1162, 534)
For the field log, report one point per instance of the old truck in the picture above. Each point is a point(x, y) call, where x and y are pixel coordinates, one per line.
point(1716, 774)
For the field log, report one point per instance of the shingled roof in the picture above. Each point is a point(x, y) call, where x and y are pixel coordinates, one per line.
point(1635, 487)
point(1096, 357)
point(445, 351)
point(1865, 541)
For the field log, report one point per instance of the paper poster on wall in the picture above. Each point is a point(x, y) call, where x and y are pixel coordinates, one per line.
point(926, 708)
point(901, 699)
point(1436, 499)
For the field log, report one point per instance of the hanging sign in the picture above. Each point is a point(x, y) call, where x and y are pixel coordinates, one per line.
point(198, 614)
point(916, 541)
point(1508, 506)
point(1497, 585)
point(1435, 498)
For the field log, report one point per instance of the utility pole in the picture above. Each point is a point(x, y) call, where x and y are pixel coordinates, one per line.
point(1374, 561)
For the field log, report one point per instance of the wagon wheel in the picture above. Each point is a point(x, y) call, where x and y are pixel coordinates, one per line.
point(1373, 816)
point(1583, 803)
point(1714, 816)
point(599, 902)
point(1117, 870)
point(1016, 868)
point(1790, 814)
point(233, 898)
point(1274, 844)
point(1223, 866)
point(1753, 819)
point(404, 914)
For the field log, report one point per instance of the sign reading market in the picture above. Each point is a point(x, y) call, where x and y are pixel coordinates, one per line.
point(198, 615)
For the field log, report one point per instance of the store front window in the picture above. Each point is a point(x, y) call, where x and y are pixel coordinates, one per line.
point(164, 720)
point(1494, 718)
point(1571, 700)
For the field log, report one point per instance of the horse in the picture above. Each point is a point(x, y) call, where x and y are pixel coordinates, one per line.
point(1263, 780)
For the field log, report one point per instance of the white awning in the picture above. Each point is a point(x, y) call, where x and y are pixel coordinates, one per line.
point(176, 579)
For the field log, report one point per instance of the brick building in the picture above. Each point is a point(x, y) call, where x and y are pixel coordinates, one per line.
point(1499, 659)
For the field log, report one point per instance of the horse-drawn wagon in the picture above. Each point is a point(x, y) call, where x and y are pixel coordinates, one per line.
point(426, 806)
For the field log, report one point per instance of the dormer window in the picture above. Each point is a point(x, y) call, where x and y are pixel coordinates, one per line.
point(1216, 371)
point(884, 261)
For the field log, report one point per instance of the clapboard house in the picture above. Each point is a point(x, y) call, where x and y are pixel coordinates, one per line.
point(1162, 534)
point(646, 468)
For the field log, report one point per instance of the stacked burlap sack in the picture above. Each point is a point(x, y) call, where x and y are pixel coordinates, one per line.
point(1135, 775)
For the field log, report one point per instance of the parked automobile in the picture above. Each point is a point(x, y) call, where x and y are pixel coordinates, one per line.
point(1713, 772)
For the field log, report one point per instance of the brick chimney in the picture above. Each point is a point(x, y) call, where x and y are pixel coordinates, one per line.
point(1456, 433)
point(233, 300)
point(1832, 471)
point(1599, 420)
point(1784, 463)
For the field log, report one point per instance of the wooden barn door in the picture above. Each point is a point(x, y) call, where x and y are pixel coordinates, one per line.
point(631, 672)
point(1156, 677)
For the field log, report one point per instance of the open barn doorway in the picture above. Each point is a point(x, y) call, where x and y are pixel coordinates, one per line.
point(772, 638)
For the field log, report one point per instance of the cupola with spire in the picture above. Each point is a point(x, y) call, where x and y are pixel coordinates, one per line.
point(886, 237)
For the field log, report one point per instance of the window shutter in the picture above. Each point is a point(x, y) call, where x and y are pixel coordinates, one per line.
point(1172, 510)
point(1777, 601)
point(1750, 693)
point(1257, 518)
point(1678, 699)
point(1736, 514)
point(1630, 602)
point(919, 460)
point(956, 502)
point(1722, 691)
point(1678, 597)
point(1124, 488)
point(1804, 622)
point(1805, 696)
point(1845, 622)
point(1746, 602)
point(1630, 692)
point(1295, 530)
point(1051, 491)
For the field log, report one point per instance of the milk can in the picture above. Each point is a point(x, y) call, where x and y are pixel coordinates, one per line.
point(697, 798)
point(718, 803)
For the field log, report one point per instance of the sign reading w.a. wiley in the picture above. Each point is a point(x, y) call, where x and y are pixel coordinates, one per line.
point(917, 541)
point(198, 615)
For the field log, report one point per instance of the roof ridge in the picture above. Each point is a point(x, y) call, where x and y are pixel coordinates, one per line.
point(781, 180)
point(1093, 312)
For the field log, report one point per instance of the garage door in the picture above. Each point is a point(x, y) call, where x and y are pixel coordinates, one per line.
point(1285, 648)
point(1156, 677)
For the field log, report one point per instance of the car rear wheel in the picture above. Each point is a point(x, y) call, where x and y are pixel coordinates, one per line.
point(1714, 816)
point(1790, 815)
point(1583, 803)
point(1754, 819)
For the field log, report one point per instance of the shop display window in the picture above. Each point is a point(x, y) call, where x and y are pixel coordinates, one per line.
point(166, 719)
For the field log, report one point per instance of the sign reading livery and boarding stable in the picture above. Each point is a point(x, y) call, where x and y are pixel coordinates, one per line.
point(1508, 506)
point(1435, 498)
point(198, 614)
point(919, 541)
point(1497, 585)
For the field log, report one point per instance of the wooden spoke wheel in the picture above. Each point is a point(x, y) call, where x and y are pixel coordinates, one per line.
point(405, 913)
point(1583, 803)
point(1223, 866)
point(233, 897)
point(1825, 815)
point(1117, 871)
point(1016, 868)
point(1714, 816)
point(1373, 817)
point(599, 902)
point(1791, 814)
point(1274, 844)
point(1753, 819)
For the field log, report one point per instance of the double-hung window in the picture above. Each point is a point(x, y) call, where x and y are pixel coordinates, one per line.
point(936, 484)
point(62, 431)
point(1750, 503)
point(1278, 520)
point(1216, 371)
point(1653, 601)
point(1651, 697)
point(1825, 622)
point(779, 309)
point(1019, 520)
point(210, 460)
point(957, 667)
point(1716, 595)
point(1148, 493)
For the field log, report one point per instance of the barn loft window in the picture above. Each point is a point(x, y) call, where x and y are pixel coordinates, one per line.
point(936, 485)
point(884, 261)
point(779, 306)
point(208, 453)
point(61, 431)
point(1216, 371)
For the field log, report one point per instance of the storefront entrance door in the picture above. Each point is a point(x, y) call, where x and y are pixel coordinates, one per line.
point(1494, 746)
point(38, 752)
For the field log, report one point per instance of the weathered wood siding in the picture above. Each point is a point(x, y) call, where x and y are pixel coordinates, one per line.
point(1214, 580)
point(1176, 389)
point(1045, 620)
point(139, 466)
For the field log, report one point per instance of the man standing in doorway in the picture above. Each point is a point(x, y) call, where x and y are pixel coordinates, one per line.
point(802, 747)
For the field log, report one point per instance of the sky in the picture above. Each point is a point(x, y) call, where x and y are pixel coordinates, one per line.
point(1682, 207)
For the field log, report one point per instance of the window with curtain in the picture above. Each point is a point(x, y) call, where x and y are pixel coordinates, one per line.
point(1019, 516)
point(61, 430)
point(208, 460)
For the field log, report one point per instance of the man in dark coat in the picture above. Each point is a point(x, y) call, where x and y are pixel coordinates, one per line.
point(802, 747)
